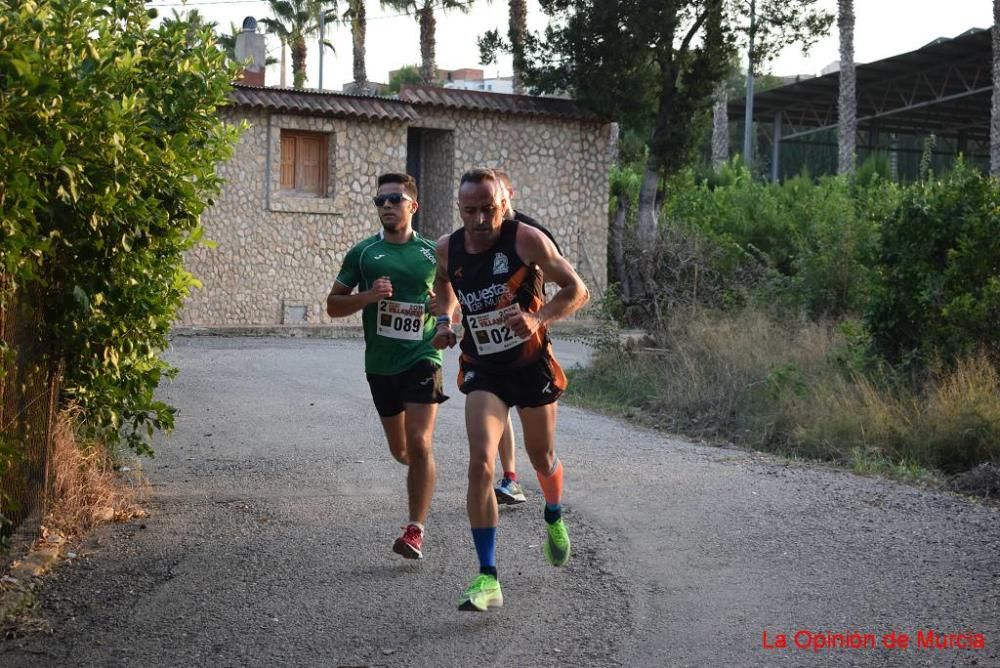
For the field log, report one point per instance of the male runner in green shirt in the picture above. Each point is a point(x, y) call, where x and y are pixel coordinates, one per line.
point(394, 272)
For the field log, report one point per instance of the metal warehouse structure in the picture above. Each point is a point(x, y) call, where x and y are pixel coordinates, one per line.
point(943, 88)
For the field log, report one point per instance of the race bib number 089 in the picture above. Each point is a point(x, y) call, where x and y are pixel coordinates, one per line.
point(489, 332)
point(400, 320)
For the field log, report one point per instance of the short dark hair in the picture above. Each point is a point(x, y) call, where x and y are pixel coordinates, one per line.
point(479, 176)
point(409, 183)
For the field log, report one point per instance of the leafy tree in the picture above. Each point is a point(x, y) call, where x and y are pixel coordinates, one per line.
point(423, 10)
point(655, 65)
point(293, 22)
point(408, 74)
point(111, 139)
point(192, 20)
point(937, 293)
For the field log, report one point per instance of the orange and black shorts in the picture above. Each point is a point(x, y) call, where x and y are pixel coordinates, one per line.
point(536, 384)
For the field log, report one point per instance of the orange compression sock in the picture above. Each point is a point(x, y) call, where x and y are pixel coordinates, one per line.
point(552, 484)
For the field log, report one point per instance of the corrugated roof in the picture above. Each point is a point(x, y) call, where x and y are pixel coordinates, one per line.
point(943, 87)
point(403, 108)
point(322, 103)
point(454, 98)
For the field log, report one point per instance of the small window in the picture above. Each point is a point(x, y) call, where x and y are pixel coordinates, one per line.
point(303, 163)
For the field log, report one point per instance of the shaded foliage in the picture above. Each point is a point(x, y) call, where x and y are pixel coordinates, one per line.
point(111, 138)
point(937, 292)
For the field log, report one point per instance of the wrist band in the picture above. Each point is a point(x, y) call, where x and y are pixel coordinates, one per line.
point(444, 320)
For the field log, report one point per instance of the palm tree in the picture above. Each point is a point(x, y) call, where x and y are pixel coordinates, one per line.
point(293, 22)
point(355, 15)
point(227, 43)
point(517, 29)
point(194, 21)
point(995, 117)
point(847, 128)
point(423, 10)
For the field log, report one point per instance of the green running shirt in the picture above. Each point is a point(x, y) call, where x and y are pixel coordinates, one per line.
point(398, 331)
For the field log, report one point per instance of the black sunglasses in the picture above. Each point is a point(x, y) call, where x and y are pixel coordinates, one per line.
point(391, 198)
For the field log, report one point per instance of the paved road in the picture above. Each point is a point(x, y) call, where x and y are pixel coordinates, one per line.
point(275, 502)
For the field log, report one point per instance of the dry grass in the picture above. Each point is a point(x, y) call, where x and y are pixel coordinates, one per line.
point(785, 387)
point(960, 424)
point(86, 487)
point(87, 490)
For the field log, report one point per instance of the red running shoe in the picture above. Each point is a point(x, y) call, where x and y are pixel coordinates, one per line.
point(408, 545)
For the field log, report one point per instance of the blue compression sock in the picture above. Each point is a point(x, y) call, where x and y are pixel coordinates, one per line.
point(486, 546)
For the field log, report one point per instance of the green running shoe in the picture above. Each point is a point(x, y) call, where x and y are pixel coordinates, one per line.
point(482, 594)
point(556, 546)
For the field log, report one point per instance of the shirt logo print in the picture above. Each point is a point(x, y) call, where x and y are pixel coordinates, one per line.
point(379, 257)
point(501, 265)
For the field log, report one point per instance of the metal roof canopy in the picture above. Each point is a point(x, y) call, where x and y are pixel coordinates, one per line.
point(943, 88)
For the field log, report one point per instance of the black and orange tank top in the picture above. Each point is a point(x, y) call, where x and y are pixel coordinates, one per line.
point(490, 286)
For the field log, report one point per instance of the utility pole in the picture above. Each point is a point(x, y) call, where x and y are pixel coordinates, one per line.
point(748, 120)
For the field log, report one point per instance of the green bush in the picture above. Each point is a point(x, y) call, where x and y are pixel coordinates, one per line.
point(111, 139)
point(937, 288)
point(818, 238)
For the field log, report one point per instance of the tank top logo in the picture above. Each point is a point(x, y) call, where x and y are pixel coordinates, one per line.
point(501, 265)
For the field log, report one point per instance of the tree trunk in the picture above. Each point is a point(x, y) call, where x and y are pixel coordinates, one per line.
point(284, 65)
point(516, 32)
point(995, 116)
point(720, 127)
point(358, 27)
point(428, 70)
point(847, 126)
point(298, 48)
point(647, 227)
point(616, 237)
point(647, 231)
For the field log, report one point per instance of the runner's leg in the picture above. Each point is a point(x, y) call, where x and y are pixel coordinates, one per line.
point(395, 434)
point(485, 417)
point(507, 456)
point(539, 441)
point(419, 428)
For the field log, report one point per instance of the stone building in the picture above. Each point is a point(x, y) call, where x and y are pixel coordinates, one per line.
point(298, 189)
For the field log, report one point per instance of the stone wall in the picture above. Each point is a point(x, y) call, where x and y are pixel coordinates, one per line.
point(277, 257)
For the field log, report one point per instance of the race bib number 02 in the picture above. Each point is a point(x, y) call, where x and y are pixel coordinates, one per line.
point(400, 320)
point(489, 332)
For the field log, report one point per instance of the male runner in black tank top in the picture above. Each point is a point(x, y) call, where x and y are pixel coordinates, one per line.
point(493, 268)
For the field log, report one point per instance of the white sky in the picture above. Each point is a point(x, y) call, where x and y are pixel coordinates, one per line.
point(883, 28)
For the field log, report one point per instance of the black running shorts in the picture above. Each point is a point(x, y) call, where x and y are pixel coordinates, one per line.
point(529, 386)
point(422, 383)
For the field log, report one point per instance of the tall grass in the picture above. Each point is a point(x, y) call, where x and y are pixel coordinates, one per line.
point(791, 387)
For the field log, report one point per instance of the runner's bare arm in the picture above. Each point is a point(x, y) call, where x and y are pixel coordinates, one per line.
point(445, 301)
point(340, 302)
point(534, 247)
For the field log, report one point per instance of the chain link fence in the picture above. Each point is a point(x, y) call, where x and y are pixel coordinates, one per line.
point(29, 388)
